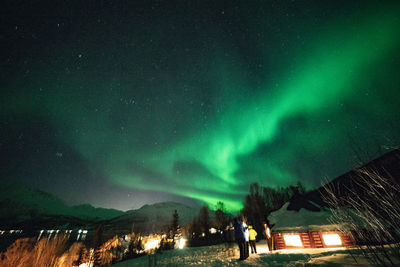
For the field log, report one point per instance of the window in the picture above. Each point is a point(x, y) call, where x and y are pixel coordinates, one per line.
point(332, 239)
point(292, 240)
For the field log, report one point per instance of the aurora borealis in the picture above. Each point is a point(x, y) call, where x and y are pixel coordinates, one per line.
point(123, 103)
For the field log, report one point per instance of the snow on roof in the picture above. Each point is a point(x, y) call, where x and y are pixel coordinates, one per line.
point(302, 220)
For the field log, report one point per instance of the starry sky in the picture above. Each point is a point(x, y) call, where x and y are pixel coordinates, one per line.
point(125, 103)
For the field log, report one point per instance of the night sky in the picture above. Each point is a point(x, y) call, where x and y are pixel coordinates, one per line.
point(125, 103)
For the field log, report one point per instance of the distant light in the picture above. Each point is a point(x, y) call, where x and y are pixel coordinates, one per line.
point(85, 231)
point(182, 242)
point(203, 234)
point(292, 240)
point(213, 230)
point(40, 235)
point(152, 244)
point(332, 239)
point(79, 234)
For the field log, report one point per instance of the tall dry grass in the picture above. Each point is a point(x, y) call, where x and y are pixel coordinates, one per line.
point(27, 252)
point(74, 256)
point(368, 210)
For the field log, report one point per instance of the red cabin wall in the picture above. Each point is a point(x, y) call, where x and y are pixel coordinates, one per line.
point(310, 240)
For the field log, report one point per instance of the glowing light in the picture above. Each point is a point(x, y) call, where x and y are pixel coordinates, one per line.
point(292, 240)
point(182, 242)
point(79, 234)
point(152, 244)
point(332, 239)
point(213, 230)
point(40, 235)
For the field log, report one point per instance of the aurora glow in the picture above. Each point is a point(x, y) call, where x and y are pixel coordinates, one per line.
point(196, 101)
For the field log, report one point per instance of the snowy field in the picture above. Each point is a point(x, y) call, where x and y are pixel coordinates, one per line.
point(222, 255)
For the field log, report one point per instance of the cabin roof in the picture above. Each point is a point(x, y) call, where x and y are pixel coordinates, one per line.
point(284, 219)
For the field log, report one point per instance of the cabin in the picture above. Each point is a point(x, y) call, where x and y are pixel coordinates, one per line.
point(310, 239)
point(305, 229)
point(304, 222)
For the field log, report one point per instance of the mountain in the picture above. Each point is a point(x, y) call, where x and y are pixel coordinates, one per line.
point(90, 212)
point(150, 218)
point(19, 203)
point(24, 207)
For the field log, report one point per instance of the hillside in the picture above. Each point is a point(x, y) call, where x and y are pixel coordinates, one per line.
point(24, 207)
point(19, 203)
point(152, 217)
point(387, 165)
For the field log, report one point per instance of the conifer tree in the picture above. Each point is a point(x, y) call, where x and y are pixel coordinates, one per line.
point(204, 219)
point(175, 223)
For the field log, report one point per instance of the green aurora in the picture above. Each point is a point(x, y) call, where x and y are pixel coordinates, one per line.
point(329, 74)
point(209, 118)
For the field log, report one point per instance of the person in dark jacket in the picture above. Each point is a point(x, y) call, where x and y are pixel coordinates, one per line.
point(239, 236)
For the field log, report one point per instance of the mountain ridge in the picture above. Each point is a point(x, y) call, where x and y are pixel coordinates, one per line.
point(19, 203)
point(24, 206)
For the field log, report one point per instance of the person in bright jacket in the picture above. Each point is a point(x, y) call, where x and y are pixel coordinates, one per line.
point(252, 239)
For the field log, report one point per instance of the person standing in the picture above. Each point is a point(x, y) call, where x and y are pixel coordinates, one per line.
point(246, 239)
point(267, 232)
point(252, 239)
point(239, 236)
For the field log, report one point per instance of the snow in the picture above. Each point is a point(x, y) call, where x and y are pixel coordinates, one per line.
point(302, 220)
point(224, 255)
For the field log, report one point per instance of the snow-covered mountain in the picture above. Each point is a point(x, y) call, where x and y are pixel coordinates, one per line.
point(152, 218)
point(24, 207)
point(19, 204)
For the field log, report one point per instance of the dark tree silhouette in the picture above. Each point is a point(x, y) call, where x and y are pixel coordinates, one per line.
point(254, 209)
point(220, 216)
point(175, 223)
point(204, 219)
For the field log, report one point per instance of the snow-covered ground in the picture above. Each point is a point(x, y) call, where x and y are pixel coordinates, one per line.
point(222, 255)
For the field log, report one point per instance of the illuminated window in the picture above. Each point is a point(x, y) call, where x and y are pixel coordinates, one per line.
point(292, 240)
point(332, 239)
